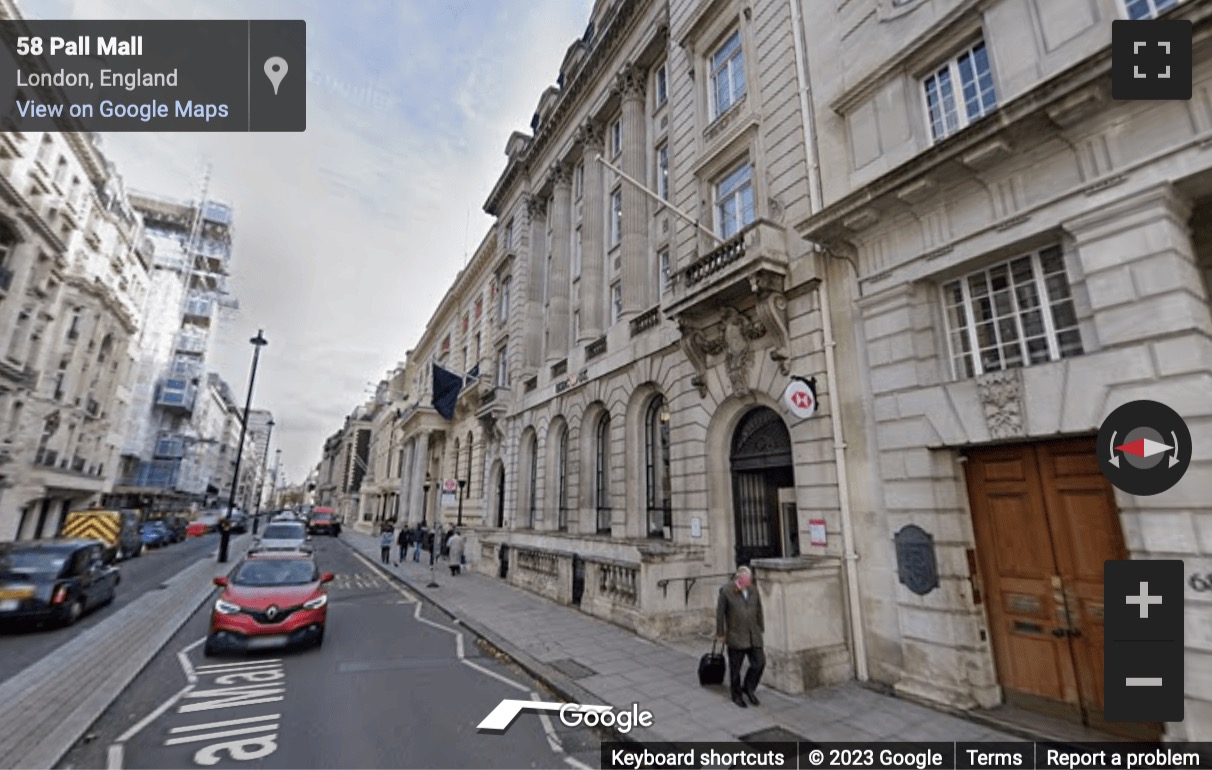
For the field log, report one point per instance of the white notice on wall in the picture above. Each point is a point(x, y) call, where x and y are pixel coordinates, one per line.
point(696, 527)
point(816, 531)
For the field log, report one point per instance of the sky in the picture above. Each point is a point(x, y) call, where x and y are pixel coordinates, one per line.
point(347, 235)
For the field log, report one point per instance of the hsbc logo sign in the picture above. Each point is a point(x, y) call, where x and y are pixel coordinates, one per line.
point(571, 715)
point(800, 397)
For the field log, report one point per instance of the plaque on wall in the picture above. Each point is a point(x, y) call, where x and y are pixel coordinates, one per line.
point(916, 565)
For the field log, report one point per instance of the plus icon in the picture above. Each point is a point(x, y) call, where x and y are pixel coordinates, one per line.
point(1143, 600)
point(1151, 59)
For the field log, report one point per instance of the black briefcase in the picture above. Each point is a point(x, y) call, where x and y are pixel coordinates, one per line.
point(711, 667)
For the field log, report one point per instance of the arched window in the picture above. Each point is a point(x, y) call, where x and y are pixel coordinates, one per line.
point(533, 502)
point(656, 463)
point(602, 474)
point(562, 480)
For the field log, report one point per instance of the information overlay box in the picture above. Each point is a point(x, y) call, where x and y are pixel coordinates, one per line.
point(153, 75)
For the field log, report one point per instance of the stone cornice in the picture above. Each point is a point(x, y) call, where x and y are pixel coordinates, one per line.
point(611, 36)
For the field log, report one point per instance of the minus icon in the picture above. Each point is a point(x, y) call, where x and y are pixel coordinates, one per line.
point(1143, 681)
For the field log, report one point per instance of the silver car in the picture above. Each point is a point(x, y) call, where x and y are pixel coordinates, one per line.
point(284, 536)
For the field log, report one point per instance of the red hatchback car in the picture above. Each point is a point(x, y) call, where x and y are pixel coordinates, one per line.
point(273, 600)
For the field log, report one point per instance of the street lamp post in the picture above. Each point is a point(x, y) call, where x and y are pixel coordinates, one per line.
point(258, 342)
point(269, 433)
point(462, 483)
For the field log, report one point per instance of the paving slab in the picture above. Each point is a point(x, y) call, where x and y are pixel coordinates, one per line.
point(537, 633)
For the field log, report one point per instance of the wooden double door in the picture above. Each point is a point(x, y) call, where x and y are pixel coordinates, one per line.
point(1045, 520)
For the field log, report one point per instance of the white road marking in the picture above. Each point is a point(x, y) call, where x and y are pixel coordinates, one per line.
point(116, 753)
point(225, 723)
point(186, 666)
point(223, 734)
point(216, 668)
point(548, 728)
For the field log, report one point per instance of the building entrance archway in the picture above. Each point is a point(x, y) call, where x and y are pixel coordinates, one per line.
point(763, 487)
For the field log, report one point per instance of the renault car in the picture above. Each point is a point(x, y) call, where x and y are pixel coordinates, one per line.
point(274, 599)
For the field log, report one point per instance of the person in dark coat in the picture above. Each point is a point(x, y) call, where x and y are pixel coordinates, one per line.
point(405, 536)
point(739, 625)
point(385, 546)
point(420, 542)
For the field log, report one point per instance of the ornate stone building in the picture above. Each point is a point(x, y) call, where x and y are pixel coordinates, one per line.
point(73, 278)
point(1016, 256)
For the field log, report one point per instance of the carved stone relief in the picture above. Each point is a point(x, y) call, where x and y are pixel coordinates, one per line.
point(1001, 395)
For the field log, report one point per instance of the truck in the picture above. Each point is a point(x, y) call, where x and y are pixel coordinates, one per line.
point(118, 529)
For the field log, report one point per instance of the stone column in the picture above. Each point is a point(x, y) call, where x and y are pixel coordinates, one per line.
point(592, 285)
point(536, 212)
point(419, 466)
point(635, 247)
point(558, 286)
point(406, 482)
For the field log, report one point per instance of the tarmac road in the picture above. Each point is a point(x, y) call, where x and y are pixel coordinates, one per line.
point(387, 690)
point(22, 646)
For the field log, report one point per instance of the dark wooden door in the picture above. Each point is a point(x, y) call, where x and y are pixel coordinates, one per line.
point(1045, 520)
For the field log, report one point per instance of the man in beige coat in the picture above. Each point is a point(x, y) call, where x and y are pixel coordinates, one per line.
point(739, 625)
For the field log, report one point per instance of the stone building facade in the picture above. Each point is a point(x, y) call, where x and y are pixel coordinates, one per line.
point(73, 278)
point(1030, 255)
point(931, 210)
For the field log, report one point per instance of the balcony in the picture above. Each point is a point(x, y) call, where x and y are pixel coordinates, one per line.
point(649, 319)
point(198, 308)
point(190, 343)
point(595, 348)
point(492, 400)
point(170, 447)
point(176, 394)
point(92, 408)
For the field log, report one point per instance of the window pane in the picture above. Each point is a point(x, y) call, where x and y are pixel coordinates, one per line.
point(1002, 304)
point(1069, 343)
point(937, 128)
point(721, 94)
point(1051, 260)
point(977, 285)
point(1058, 287)
point(1063, 315)
point(1033, 324)
point(950, 115)
point(985, 335)
point(738, 77)
point(747, 213)
point(957, 318)
point(1037, 350)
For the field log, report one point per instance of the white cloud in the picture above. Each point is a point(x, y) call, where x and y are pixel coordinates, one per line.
point(348, 235)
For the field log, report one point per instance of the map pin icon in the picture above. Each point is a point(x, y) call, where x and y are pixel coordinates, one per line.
point(275, 70)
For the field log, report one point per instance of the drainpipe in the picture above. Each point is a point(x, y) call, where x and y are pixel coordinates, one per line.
point(816, 203)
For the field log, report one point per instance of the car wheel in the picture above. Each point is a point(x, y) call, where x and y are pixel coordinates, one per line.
point(74, 611)
point(320, 637)
point(209, 650)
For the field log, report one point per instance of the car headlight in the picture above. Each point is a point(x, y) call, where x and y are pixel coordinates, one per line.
point(227, 608)
point(316, 603)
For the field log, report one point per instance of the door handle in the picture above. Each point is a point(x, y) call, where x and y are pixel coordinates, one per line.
point(1059, 632)
point(1069, 632)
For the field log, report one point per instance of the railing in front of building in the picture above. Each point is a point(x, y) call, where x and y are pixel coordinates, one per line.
point(713, 262)
point(189, 343)
point(46, 457)
point(604, 515)
point(538, 562)
point(531, 385)
point(595, 348)
point(93, 408)
point(488, 395)
point(560, 368)
point(617, 582)
point(646, 320)
point(197, 307)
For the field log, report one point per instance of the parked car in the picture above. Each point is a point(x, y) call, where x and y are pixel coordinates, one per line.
point(283, 536)
point(176, 526)
point(203, 525)
point(272, 600)
point(155, 534)
point(54, 580)
point(323, 524)
point(118, 529)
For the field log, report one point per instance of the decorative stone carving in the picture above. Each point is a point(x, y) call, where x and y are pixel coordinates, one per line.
point(1001, 395)
point(591, 134)
point(561, 174)
point(732, 341)
point(630, 82)
point(772, 315)
point(536, 207)
point(694, 345)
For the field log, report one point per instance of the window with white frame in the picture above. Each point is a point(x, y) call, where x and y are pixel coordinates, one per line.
point(727, 75)
point(1016, 313)
point(1147, 9)
point(503, 307)
point(662, 171)
point(616, 217)
point(616, 303)
point(616, 137)
point(959, 92)
point(661, 82)
point(734, 207)
point(576, 253)
point(663, 267)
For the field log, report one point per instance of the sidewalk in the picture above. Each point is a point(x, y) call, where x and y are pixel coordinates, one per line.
point(48, 706)
point(592, 661)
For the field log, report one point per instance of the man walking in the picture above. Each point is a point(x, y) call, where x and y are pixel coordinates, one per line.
point(385, 545)
point(739, 625)
point(405, 534)
point(420, 536)
point(455, 544)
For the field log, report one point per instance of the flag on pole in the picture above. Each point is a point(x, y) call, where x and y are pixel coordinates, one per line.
point(472, 375)
point(446, 387)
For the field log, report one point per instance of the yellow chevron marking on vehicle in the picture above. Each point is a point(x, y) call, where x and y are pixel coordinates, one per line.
point(16, 593)
point(99, 527)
